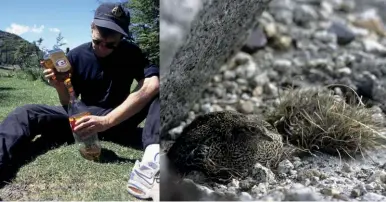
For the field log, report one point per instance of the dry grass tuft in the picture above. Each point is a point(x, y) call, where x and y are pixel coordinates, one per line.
point(316, 120)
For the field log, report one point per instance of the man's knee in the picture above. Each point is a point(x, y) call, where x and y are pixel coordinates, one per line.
point(155, 107)
point(25, 109)
point(152, 108)
point(31, 107)
point(152, 124)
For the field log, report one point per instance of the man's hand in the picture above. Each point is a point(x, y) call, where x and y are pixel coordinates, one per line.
point(88, 125)
point(56, 81)
point(50, 75)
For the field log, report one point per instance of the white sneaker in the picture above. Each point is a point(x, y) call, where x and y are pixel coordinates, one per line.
point(144, 181)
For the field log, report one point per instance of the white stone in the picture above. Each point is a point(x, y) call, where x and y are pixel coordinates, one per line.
point(285, 167)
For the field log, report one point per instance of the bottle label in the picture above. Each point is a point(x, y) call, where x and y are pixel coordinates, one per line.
point(76, 117)
point(61, 63)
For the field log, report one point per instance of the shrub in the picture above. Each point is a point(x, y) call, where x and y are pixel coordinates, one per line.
point(317, 120)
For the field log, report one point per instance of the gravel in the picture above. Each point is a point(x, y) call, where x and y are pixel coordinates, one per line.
point(305, 43)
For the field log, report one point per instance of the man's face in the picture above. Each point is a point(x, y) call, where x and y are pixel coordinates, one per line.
point(104, 46)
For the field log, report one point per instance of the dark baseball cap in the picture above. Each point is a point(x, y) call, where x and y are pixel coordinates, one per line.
point(113, 16)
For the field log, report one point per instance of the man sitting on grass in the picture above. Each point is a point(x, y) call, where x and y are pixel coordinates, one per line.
point(103, 71)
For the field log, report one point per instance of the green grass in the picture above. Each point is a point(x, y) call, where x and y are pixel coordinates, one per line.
point(16, 92)
point(61, 173)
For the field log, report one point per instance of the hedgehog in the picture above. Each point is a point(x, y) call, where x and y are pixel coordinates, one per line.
point(225, 145)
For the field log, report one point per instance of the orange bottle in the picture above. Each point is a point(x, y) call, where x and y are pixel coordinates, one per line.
point(47, 63)
point(57, 59)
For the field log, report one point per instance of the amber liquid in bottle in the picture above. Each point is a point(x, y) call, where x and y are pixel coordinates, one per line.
point(48, 64)
point(57, 59)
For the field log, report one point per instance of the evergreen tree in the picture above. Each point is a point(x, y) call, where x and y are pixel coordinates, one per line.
point(145, 26)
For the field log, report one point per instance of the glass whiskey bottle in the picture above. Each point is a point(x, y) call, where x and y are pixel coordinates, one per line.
point(89, 146)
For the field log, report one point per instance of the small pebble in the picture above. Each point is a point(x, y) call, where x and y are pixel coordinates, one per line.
point(235, 183)
point(244, 196)
point(307, 182)
point(373, 197)
point(285, 167)
point(369, 187)
point(293, 172)
point(342, 197)
point(297, 164)
point(347, 168)
point(246, 107)
point(232, 189)
point(330, 191)
point(355, 193)
point(246, 184)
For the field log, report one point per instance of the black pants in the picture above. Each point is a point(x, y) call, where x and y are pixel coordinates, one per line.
point(51, 122)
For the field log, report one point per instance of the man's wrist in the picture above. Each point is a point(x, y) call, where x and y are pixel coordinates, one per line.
point(109, 121)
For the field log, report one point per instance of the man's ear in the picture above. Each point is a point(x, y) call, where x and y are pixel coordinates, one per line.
point(92, 26)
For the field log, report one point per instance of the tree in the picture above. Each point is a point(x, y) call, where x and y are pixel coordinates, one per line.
point(27, 55)
point(37, 50)
point(59, 42)
point(145, 26)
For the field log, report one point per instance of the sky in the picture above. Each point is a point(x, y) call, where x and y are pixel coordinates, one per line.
point(32, 19)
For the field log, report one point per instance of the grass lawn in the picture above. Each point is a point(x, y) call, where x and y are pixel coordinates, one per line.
point(61, 173)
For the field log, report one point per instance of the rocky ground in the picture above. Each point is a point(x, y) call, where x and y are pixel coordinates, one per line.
point(302, 43)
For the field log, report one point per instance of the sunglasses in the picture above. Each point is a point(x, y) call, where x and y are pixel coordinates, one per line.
point(109, 45)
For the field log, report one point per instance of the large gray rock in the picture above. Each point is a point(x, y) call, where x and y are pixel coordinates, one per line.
point(218, 29)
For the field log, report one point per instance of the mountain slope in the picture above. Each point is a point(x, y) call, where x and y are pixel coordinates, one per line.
point(14, 50)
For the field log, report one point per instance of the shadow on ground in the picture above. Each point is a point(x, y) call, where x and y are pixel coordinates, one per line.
point(44, 144)
point(4, 93)
point(6, 88)
point(108, 156)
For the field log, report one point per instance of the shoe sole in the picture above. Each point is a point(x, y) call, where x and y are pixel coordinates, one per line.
point(143, 196)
